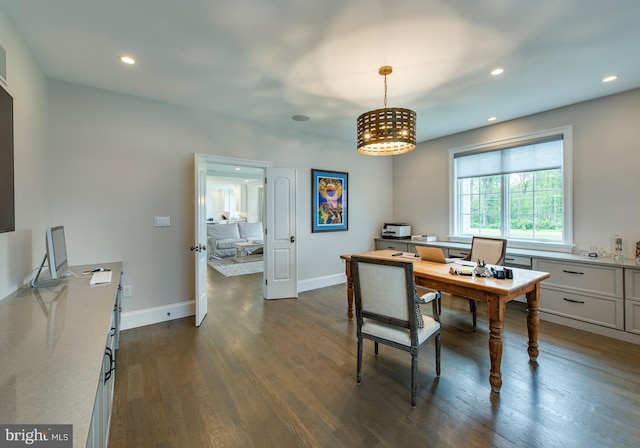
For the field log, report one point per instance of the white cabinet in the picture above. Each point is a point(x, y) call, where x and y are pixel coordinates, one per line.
point(587, 293)
point(101, 418)
point(632, 300)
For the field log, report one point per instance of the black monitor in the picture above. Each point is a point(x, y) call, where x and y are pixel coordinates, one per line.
point(55, 257)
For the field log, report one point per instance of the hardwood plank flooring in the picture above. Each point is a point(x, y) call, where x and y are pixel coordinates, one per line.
point(282, 374)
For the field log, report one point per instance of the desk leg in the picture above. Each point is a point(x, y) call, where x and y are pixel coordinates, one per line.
point(495, 310)
point(347, 269)
point(533, 321)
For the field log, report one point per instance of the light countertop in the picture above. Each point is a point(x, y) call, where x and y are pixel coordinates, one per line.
point(549, 255)
point(52, 344)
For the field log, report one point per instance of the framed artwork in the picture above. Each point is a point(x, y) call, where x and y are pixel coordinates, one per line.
point(329, 208)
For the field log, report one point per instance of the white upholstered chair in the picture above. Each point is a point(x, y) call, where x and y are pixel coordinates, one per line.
point(387, 311)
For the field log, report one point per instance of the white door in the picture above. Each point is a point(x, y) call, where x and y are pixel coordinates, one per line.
point(200, 246)
point(281, 274)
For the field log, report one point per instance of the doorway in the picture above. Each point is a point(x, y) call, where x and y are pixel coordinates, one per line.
point(234, 216)
point(278, 212)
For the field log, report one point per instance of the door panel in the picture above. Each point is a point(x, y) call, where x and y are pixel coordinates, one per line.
point(201, 239)
point(281, 280)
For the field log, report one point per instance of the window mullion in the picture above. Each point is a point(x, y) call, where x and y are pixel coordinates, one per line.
point(506, 206)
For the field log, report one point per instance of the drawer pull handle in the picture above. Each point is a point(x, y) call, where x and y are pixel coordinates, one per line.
point(572, 300)
point(112, 364)
point(573, 272)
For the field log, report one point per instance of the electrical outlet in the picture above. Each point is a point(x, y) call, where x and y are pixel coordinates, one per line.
point(127, 291)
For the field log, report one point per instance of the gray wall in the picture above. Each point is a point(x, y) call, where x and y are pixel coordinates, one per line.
point(606, 163)
point(22, 250)
point(137, 156)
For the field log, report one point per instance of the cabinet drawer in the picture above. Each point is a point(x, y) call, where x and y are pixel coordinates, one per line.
point(518, 261)
point(458, 253)
point(632, 316)
point(606, 311)
point(580, 277)
point(394, 245)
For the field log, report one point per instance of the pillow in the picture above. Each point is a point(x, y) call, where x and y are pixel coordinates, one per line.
point(251, 231)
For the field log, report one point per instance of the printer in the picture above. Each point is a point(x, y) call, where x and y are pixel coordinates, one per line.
point(396, 231)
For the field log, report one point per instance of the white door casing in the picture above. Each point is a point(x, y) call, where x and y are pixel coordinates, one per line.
point(281, 255)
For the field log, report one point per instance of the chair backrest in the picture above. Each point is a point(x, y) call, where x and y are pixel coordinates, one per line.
point(384, 290)
point(491, 250)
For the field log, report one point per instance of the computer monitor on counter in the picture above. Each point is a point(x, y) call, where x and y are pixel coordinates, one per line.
point(55, 258)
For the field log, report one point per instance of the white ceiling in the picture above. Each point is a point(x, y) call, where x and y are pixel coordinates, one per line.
point(265, 61)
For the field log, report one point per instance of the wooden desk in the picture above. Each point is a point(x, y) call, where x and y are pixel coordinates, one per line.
point(496, 293)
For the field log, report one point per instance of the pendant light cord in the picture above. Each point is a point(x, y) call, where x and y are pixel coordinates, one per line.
point(385, 91)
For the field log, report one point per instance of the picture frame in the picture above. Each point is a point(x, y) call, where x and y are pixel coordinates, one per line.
point(329, 206)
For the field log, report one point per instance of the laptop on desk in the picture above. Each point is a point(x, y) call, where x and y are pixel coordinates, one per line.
point(433, 254)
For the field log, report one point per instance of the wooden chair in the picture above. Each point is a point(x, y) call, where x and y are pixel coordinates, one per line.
point(490, 250)
point(387, 311)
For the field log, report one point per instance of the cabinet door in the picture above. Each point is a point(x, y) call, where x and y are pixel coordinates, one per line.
point(632, 316)
point(632, 300)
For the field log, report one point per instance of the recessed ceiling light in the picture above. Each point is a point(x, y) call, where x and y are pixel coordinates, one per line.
point(492, 119)
point(127, 60)
point(610, 78)
point(300, 118)
point(497, 71)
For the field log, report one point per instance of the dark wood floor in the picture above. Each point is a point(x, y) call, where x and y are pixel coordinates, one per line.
point(282, 374)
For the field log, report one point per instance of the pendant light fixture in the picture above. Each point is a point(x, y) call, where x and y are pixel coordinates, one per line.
point(388, 131)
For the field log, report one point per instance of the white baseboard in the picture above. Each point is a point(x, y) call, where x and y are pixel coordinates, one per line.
point(140, 318)
point(149, 316)
point(321, 282)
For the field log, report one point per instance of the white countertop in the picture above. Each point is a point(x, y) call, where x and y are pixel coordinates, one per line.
point(52, 344)
point(549, 255)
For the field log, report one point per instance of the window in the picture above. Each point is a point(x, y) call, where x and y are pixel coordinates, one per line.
point(517, 189)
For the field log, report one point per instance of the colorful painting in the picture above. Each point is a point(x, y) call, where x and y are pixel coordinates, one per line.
point(329, 201)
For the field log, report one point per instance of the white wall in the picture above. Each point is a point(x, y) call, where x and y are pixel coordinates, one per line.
point(137, 157)
point(606, 161)
point(22, 250)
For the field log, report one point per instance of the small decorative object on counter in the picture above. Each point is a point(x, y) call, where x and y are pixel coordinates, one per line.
point(481, 269)
point(618, 255)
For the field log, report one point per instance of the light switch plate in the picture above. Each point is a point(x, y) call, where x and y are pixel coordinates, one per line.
point(162, 221)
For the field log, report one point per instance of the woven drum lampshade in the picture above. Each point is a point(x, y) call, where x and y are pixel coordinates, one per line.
point(388, 131)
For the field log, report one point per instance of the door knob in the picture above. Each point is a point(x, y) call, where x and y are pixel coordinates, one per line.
point(292, 239)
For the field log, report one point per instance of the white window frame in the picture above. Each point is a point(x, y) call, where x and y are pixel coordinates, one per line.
point(567, 176)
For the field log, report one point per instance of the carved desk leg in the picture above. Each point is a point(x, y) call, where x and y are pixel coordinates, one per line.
point(349, 290)
point(495, 310)
point(533, 321)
